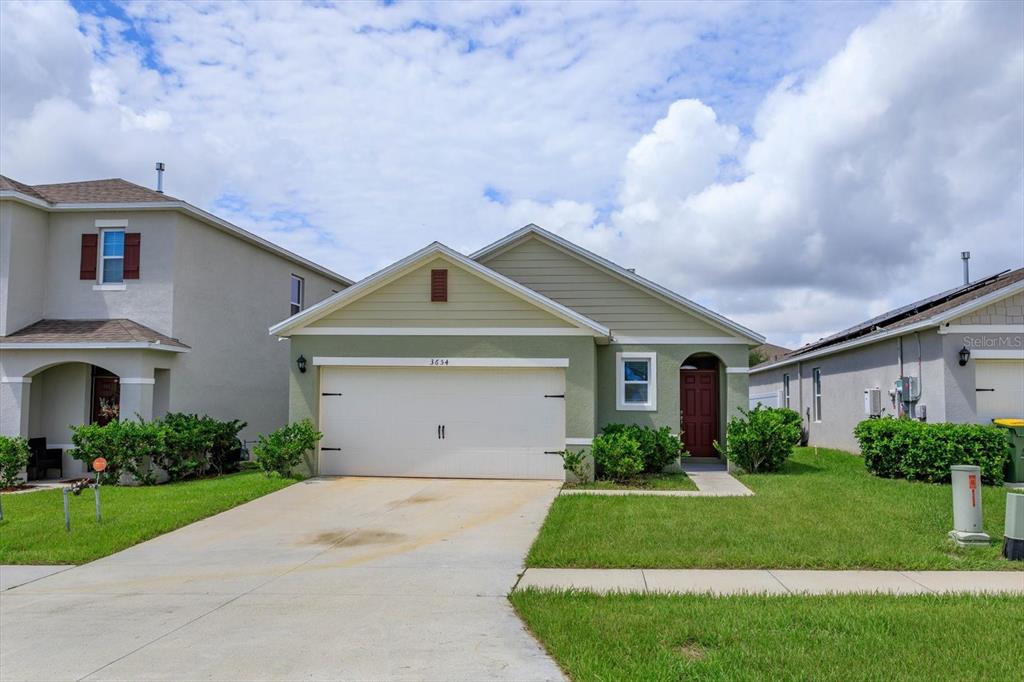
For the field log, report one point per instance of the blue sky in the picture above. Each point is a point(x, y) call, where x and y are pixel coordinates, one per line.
point(796, 166)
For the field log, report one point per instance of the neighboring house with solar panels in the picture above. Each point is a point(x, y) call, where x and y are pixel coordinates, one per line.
point(957, 356)
point(113, 295)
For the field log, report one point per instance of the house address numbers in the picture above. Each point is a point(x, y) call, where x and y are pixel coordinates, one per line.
point(438, 362)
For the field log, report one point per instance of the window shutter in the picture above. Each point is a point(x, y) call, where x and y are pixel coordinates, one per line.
point(132, 251)
point(438, 286)
point(87, 268)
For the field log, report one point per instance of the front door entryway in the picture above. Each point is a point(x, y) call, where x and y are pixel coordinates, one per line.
point(698, 406)
point(106, 396)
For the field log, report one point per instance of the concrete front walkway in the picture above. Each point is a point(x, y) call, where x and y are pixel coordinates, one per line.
point(775, 581)
point(708, 474)
point(12, 575)
point(328, 579)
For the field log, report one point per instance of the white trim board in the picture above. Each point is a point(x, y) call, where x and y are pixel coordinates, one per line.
point(382, 278)
point(982, 329)
point(983, 354)
point(618, 271)
point(441, 331)
point(93, 345)
point(137, 380)
point(440, 362)
point(682, 340)
point(579, 441)
point(15, 380)
point(737, 370)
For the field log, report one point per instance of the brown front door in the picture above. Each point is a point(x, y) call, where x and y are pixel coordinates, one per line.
point(698, 410)
point(106, 398)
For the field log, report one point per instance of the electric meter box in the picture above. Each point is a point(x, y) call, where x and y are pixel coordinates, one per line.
point(909, 389)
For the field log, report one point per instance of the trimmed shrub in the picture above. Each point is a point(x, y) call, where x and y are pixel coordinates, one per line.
point(195, 446)
point(281, 451)
point(617, 456)
point(761, 439)
point(921, 451)
point(658, 447)
point(128, 446)
point(14, 455)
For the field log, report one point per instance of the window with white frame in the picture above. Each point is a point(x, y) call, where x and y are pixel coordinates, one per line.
point(785, 390)
point(636, 381)
point(112, 256)
point(816, 380)
point(298, 293)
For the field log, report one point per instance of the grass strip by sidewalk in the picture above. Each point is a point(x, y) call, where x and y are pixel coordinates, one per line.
point(33, 528)
point(674, 481)
point(843, 637)
point(824, 510)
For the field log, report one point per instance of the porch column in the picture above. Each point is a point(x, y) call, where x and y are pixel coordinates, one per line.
point(136, 398)
point(737, 395)
point(14, 402)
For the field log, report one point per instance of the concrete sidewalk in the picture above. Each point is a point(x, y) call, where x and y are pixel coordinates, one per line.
point(12, 575)
point(775, 581)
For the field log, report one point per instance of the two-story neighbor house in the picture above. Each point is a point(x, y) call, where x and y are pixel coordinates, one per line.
point(957, 356)
point(487, 366)
point(117, 297)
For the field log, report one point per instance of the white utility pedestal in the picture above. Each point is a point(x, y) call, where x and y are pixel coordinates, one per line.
point(967, 528)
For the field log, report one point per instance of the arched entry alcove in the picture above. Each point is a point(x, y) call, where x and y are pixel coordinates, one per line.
point(700, 403)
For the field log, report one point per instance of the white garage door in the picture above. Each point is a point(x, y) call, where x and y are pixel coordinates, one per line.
point(999, 386)
point(451, 422)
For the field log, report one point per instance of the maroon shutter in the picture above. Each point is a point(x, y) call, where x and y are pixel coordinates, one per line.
point(438, 286)
point(132, 244)
point(87, 268)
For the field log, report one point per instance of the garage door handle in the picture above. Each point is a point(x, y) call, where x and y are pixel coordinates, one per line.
point(552, 452)
point(334, 449)
point(332, 394)
point(554, 395)
point(442, 431)
point(439, 432)
point(985, 390)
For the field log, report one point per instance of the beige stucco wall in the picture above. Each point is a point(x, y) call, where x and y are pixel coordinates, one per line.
point(24, 233)
point(472, 302)
point(621, 306)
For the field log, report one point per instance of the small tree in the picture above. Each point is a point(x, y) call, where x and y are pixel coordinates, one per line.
point(281, 451)
point(14, 455)
point(761, 439)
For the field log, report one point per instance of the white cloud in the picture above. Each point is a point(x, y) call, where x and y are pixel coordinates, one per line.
point(742, 154)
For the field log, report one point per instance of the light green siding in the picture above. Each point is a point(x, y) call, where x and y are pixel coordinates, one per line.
point(619, 305)
point(580, 383)
point(472, 302)
point(732, 387)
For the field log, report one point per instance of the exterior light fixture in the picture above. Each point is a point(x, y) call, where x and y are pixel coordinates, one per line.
point(300, 362)
point(965, 355)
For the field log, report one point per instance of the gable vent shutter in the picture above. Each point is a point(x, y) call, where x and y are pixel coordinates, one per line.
point(132, 248)
point(438, 286)
point(87, 267)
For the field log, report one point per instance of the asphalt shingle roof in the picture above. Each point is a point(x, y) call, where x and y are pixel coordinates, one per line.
point(110, 191)
point(89, 331)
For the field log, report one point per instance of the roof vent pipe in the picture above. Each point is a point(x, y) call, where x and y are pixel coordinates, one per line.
point(965, 256)
point(160, 178)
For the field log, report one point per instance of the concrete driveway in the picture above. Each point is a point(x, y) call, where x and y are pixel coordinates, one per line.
point(349, 578)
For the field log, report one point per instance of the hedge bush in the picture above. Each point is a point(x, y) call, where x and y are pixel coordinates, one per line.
point(130, 447)
point(658, 447)
point(921, 451)
point(617, 456)
point(281, 451)
point(14, 455)
point(761, 439)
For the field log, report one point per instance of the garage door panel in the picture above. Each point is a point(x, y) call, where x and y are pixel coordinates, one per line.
point(497, 422)
point(1000, 389)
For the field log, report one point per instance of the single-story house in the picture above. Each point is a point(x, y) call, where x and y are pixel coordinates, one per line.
point(490, 365)
point(957, 356)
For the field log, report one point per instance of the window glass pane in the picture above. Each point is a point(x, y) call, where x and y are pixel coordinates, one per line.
point(635, 370)
point(113, 270)
point(636, 393)
point(113, 243)
point(296, 294)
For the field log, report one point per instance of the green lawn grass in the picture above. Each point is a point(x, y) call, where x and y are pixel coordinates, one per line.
point(677, 481)
point(32, 531)
point(842, 637)
point(823, 510)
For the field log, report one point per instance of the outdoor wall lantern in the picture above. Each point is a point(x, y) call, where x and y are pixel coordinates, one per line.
point(965, 355)
point(301, 363)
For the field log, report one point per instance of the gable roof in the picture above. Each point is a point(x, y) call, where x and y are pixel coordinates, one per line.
point(620, 272)
point(407, 264)
point(115, 194)
point(932, 311)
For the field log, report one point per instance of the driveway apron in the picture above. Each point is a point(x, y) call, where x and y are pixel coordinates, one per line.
point(329, 579)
